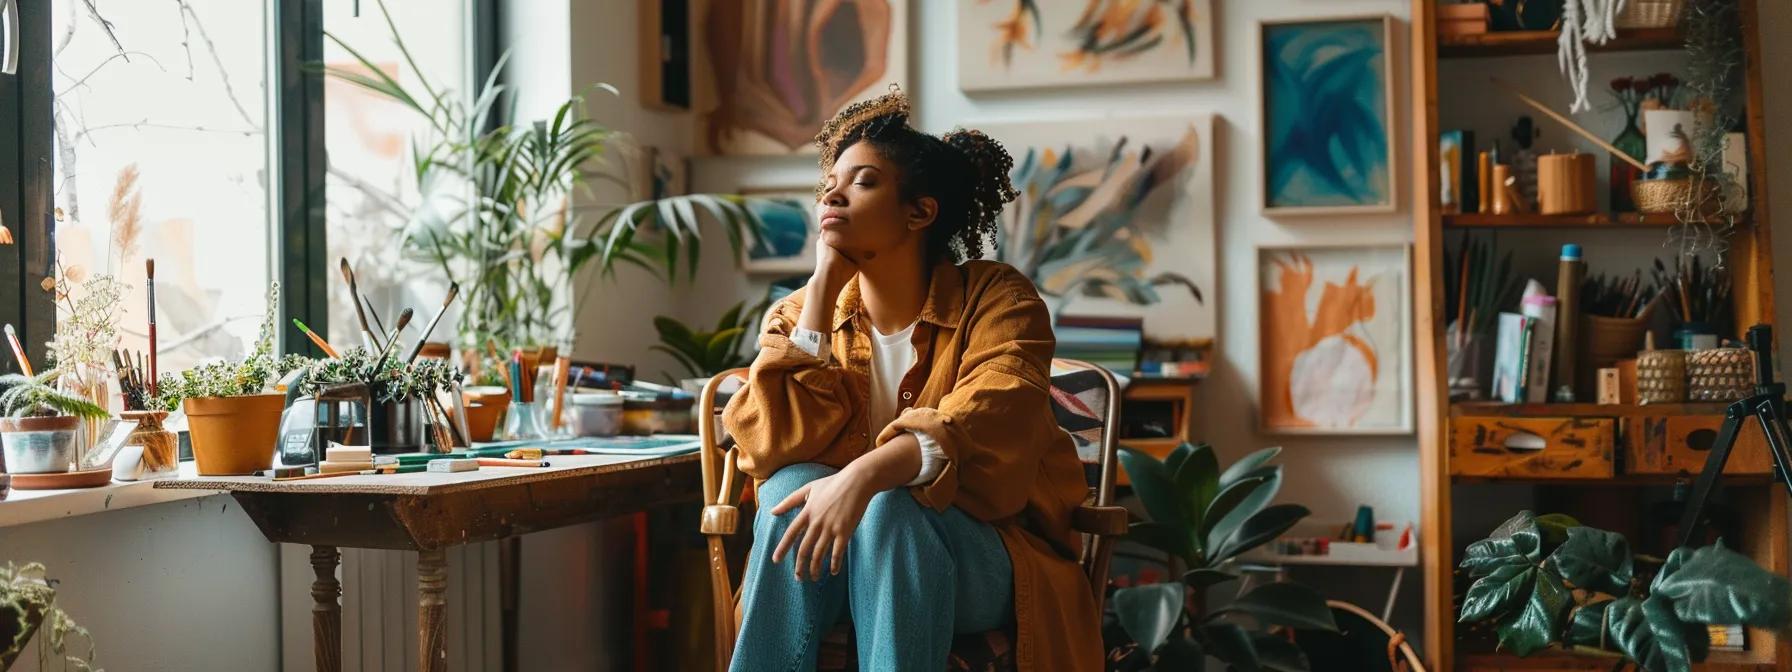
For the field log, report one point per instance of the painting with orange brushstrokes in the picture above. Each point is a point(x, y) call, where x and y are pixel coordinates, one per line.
point(1334, 349)
point(1019, 44)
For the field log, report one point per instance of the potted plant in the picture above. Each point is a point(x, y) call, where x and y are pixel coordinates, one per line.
point(1202, 518)
point(86, 335)
point(233, 419)
point(403, 395)
point(705, 353)
point(508, 214)
point(1550, 581)
point(27, 602)
point(41, 423)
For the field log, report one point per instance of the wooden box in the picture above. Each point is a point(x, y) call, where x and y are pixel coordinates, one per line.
point(1552, 448)
point(1455, 19)
point(1678, 444)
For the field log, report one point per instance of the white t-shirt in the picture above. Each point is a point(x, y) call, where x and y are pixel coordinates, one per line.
point(891, 358)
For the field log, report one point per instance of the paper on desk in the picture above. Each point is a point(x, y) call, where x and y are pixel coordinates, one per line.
point(658, 445)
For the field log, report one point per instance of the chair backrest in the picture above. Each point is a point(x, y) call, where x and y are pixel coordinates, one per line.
point(1085, 402)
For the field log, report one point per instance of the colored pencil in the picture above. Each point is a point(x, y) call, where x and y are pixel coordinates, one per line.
point(316, 339)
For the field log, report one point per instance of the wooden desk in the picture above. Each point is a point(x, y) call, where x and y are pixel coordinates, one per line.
point(428, 513)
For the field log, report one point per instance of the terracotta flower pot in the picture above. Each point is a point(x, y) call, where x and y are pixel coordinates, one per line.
point(44, 445)
point(482, 418)
point(234, 436)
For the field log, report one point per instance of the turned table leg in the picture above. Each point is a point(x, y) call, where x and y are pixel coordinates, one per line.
point(326, 610)
point(432, 579)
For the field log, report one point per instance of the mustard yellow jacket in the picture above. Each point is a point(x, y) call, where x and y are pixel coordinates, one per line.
point(981, 388)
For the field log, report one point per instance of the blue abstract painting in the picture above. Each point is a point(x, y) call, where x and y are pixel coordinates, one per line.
point(787, 234)
point(1327, 140)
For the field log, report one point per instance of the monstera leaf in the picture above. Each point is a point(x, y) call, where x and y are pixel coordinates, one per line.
point(1716, 585)
point(1517, 541)
point(1595, 560)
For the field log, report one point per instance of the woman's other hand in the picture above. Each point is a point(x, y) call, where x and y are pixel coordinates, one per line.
point(832, 507)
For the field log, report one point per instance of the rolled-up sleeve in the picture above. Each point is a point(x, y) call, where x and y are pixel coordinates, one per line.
point(794, 405)
point(991, 460)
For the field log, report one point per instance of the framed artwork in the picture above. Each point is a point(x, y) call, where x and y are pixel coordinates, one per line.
point(1115, 218)
point(787, 241)
point(665, 54)
point(1022, 44)
point(1455, 159)
point(768, 73)
point(1341, 161)
point(654, 173)
point(1335, 339)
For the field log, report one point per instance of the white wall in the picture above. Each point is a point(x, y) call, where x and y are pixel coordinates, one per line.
point(176, 586)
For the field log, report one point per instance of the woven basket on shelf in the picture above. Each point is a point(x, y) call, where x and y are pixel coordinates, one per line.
point(1650, 14)
point(1720, 374)
point(1661, 377)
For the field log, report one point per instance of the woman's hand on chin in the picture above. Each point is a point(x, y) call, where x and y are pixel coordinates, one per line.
point(832, 507)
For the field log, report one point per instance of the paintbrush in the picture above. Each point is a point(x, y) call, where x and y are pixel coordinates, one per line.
point(18, 351)
point(354, 297)
point(149, 267)
point(316, 340)
point(562, 369)
point(379, 364)
point(379, 327)
point(453, 291)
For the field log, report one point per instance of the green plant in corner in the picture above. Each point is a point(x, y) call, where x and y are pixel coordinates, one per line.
point(27, 603)
point(1548, 580)
point(1203, 518)
point(707, 353)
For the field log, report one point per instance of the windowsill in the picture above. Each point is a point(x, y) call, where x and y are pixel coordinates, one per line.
point(23, 507)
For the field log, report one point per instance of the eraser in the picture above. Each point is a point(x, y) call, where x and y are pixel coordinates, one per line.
point(450, 466)
point(348, 454)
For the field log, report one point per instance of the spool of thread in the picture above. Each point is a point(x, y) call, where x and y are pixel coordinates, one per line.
point(1484, 179)
point(1570, 270)
point(1502, 197)
point(1565, 184)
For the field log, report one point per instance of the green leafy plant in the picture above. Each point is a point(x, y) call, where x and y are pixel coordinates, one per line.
point(502, 209)
point(230, 379)
point(1203, 518)
point(707, 353)
point(34, 396)
point(27, 603)
point(1548, 580)
point(393, 382)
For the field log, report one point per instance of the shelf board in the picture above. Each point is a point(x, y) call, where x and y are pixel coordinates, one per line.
point(1556, 659)
point(1622, 480)
point(1493, 409)
point(1519, 43)
point(1623, 220)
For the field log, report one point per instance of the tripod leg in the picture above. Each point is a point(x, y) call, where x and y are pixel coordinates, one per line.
point(1714, 467)
point(1771, 413)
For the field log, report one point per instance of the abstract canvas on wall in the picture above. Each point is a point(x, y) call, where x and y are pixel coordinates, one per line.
point(1115, 218)
point(788, 231)
point(1016, 44)
point(1327, 116)
point(1334, 333)
point(768, 73)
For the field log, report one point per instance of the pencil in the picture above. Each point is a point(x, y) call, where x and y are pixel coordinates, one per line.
point(318, 340)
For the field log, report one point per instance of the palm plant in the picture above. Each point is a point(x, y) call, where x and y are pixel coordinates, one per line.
point(23, 396)
point(499, 214)
point(1548, 580)
point(1203, 518)
point(707, 353)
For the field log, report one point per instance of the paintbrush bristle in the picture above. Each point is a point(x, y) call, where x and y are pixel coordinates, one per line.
point(404, 318)
point(149, 265)
point(347, 273)
point(453, 291)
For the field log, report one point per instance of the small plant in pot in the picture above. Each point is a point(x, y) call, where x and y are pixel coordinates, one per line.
point(706, 353)
point(38, 432)
point(1203, 518)
point(27, 603)
point(404, 395)
point(233, 418)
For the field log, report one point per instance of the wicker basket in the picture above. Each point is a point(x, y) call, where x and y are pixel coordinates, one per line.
point(1661, 377)
point(1659, 196)
point(1720, 374)
point(1650, 14)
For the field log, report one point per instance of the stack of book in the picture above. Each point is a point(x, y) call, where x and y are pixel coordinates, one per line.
point(1109, 342)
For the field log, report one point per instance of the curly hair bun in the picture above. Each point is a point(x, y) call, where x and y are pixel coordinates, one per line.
point(991, 164)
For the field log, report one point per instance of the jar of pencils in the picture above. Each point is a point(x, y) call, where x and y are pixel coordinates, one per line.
point(522, 422)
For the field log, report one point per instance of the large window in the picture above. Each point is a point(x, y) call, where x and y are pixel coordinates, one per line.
point(161, 150)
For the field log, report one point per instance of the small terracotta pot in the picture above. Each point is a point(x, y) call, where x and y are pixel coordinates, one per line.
point(482, 418)
point(234, 436)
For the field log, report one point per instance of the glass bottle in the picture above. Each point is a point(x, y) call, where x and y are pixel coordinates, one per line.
point(1630, 141)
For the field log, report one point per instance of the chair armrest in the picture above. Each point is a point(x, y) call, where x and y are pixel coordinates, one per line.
point(720, 519)
point(1107, 521)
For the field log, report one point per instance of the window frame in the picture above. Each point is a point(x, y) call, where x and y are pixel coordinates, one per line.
point(25, 146)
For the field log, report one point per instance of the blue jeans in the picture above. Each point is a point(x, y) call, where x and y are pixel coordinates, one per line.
point(913, 578)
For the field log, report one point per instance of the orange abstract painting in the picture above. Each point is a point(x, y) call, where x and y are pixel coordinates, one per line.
point(1335, 346)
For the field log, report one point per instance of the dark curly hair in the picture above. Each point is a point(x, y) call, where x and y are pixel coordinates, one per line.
point(964, 170)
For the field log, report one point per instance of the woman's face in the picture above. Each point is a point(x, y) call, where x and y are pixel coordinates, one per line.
point(861, 209)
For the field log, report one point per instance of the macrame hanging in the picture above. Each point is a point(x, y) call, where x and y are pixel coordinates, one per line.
point(1583, 22)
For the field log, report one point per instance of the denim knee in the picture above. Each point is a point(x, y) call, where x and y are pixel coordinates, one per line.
point(788, 480)
point(889, 516)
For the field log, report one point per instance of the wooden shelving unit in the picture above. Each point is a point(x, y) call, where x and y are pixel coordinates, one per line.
point(1623, 220)
point(1607, 461)
point(1521, 43)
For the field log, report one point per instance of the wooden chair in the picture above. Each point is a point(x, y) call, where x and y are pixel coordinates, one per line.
point(1097, 519)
